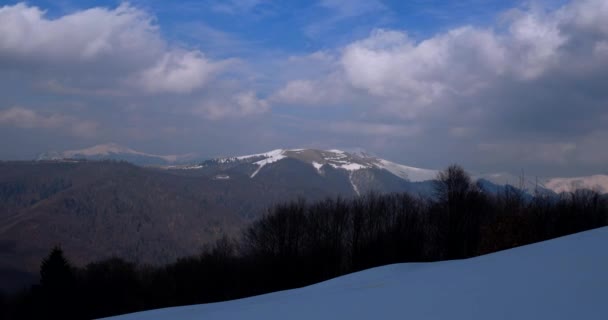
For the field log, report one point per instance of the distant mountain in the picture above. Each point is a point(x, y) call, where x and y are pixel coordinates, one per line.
point(113, 151)
point(597, 183)
point(352, 172)
point(553, 186)
point(362, 171)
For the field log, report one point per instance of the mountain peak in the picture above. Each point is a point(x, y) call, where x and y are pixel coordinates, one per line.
point(338, 159)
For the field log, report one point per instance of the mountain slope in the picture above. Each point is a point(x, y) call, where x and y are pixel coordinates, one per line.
point(362, 171)
point(99, 209)
point(563, 278)
point(336, 159)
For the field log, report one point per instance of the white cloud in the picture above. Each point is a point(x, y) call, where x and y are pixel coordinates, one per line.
point(26, 118)
point(587, 15)
point(124, 32)
point(389, 64)
point(178, 72)
point(312, 93)
point(534, 41)
point(237, 105)
point(120, 46)
point(396, 70)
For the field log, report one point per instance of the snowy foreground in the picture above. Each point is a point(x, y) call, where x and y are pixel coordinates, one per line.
point(565, 278)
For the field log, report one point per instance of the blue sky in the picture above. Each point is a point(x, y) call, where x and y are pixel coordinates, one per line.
point(493, 85)
point(294, 26)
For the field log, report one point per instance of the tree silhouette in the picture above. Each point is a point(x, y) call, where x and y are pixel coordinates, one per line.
point(461, 203)
point(55, 271)
point(58, 284)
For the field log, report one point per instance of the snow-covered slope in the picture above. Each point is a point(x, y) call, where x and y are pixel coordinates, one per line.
point(565, 278)
point(596, 182)
point(337, 159)
point(116, 152)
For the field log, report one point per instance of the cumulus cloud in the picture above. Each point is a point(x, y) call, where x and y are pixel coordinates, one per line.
point(84, 36)
point(178, 72)
point(26, 118)
point(237, 105)
point(122, 46)
point(464, 60)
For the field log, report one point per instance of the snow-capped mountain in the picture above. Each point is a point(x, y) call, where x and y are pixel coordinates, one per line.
point(597, 183)
point(113, 151)
point(365, 172)
point(362, 172)
point(530, 184)
point(337, 159)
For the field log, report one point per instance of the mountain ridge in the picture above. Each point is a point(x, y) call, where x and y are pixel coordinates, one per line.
point(115, 151)
point(350, 161)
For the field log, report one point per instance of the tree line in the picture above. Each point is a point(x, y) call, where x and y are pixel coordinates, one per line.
point(301, 243)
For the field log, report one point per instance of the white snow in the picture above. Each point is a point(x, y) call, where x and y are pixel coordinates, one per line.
point(410, 173)
point(352, 183)
point(113, 148)
point(317, 166)
point(565, 278)
point(183, 167)
point(272, 156)
point(348, 166)
point(596, 182)
point(265, 154)
point(340, 160)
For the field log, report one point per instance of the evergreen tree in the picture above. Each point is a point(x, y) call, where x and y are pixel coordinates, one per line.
point(55, 271)
point(58, 285)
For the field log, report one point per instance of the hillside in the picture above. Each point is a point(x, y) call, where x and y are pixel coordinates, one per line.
point(101, 209)
point(155, 214)
point(564, 278)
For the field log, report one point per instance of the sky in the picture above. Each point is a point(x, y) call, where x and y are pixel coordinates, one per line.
point(493, 85)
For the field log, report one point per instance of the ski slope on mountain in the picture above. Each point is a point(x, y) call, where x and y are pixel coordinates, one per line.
point(565, 278)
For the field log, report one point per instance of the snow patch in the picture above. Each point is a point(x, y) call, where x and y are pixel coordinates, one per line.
point(350, 178)
point(317, 166)
point(272, 156)
point(410, 173)
point(559, 279)
point(349, 166)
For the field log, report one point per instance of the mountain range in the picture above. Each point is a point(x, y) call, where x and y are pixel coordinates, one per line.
point(354, 163)
point(154, 209)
